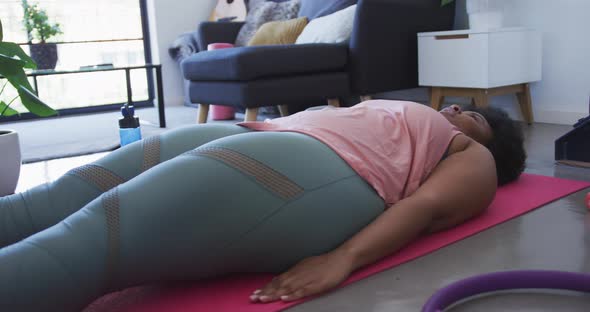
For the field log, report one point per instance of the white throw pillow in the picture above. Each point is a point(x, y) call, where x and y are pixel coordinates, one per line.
point(333, 28)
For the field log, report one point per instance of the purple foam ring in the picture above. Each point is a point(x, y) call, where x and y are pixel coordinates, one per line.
point(484, 283)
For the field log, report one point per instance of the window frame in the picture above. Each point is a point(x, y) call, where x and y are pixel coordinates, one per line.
point(109, 106)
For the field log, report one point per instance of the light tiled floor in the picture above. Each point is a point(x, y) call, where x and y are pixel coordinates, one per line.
point(556, 236)
point(37, 173)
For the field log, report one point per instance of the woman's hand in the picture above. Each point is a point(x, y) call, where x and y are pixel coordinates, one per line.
point(311, 276)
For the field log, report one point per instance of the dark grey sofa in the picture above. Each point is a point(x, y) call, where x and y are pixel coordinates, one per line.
point(380, 56)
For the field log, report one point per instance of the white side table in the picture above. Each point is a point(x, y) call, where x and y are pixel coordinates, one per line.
point(480, 64)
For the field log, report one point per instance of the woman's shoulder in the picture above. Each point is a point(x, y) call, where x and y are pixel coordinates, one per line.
point(461, 142)
point(474, 152)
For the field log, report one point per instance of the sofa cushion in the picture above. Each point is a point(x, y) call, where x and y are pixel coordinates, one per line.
point(279, 32)
point(333, 28)
point(262, 12)
point(295, 91)
point(248, 63)
point(318, 8)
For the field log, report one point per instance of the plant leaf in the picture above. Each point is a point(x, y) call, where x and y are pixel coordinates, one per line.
point(7, 111)
point(12, 69)
point(10, 65)
point(445, 2)
point(34, 104)
point(11, 49)
point(1, 33)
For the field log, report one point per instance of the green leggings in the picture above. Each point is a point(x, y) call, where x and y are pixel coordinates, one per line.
point(196, 202)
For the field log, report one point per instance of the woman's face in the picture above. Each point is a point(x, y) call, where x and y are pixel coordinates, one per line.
point(472, 124)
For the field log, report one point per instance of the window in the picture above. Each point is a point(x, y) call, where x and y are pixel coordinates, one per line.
point(94, 33)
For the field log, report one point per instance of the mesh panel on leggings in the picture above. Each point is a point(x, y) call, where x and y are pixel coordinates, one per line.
point(268, 177)
point(110, 203)
point(98, 176)
point(151, 152)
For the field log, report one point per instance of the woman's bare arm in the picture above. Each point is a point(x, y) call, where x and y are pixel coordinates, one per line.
point(462, 186)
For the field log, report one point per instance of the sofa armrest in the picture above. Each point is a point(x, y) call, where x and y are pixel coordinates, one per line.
point(213, 32)
point(384, 44)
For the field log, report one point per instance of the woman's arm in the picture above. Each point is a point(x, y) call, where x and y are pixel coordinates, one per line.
point(460, 187)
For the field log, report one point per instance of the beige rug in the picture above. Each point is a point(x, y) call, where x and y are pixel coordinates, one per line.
point(50, 138)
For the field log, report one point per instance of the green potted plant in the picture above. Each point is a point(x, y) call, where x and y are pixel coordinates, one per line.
point(13, 60)
point(38, 28)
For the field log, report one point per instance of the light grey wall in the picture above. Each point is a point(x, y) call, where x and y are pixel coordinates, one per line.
point(561, 97)
point(563, 94)
point(168, 19)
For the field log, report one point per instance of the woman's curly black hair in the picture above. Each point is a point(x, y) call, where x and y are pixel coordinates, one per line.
point(507, 144)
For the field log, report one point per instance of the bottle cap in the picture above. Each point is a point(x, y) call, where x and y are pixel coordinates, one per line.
point(127, 110)
point(129, 122)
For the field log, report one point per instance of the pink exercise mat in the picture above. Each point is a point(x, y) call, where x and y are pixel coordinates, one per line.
point(230, 294)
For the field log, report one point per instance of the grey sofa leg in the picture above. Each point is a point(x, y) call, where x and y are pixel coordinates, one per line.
point(334, 102)
point(251, 114)
point(203, 113)
point(284, 110)
point(365, 98)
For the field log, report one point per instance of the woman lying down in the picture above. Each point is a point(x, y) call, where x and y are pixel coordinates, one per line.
point(311, 197)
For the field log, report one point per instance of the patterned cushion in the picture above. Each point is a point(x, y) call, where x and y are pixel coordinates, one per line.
point(262, 11)
point(318, 8)
point(248, 2)
point(279, 32)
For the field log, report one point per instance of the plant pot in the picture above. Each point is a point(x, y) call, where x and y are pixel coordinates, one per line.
point(485, 14)
point(44, 54)
point(10, 161)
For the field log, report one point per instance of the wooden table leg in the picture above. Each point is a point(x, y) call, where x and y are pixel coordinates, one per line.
point(525, 102)
point(365, 98)
point(481, 98)
point(436, 98)
point(334, 102)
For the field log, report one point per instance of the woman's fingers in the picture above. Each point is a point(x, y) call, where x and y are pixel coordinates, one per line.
point(297, 294)
point(310, 276)
point(266, 293)
point(277, 288)
point(277, 293)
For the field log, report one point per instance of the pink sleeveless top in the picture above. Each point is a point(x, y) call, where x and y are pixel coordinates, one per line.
point(393, 145)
